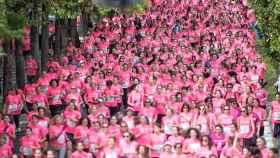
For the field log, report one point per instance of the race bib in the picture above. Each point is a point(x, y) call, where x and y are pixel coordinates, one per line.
point(110, 98)
point(40, 105)
point(12, 108)
point(70, 123)
point(43, 124)
point(185, 126)
point(85, 141)
point(276, 116)
point(194, 147)
point(92, 148)
point(158, 147)
point(168, 129)
point(226, 129)
point(125, 85)
point(26, 151)
point(111, 155)
point(61, 139)
point(244, 129)
point(130, 124)
point(56, 98)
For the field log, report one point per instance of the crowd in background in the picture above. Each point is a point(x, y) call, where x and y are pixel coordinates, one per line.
point(182, 80)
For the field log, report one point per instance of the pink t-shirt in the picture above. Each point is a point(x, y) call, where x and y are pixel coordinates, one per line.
point(5, 151)
point(71, 118)
point(13, 104)
point(82, 154)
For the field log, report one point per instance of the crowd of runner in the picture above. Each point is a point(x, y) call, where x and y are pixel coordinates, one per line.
point(181, 80)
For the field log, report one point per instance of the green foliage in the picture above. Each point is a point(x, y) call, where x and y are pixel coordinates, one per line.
point(65, 8)
point(271, 74)
point(140, 7)
point(11, 22)
point(268, 17)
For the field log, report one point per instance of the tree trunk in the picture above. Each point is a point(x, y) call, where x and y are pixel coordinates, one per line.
point(57, 47)
point(64, 35)
point(74, 35)
point(35, 46)
point(84, 23)
point(20, 68)
point(35, 35)
point(7, 68)
point(45, 40)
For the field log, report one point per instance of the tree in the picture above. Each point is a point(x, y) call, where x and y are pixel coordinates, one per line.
point(11, 24)
point(268, 19)
point(44, 37)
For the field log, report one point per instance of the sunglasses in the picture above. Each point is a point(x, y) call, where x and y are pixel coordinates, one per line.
point(226, 109)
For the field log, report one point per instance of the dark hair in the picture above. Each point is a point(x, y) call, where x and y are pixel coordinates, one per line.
point(57, 82)
point(185, 105)
point(210, 144)
point(146, 150)
point(187, 134)
point(109, 83)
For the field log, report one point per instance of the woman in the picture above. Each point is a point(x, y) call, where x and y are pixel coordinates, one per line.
point(191, 145)
point(29, 92)
point(80, 153)
point(136, 98)
point(149, 111)
point(160, 100)
point(113, 97)
point(261, 113)
point(261, 145)
point(206, 148)
point(9, 129)
point(112, 149)
point(13, 105)
point(37, 131)
point(29, 143)
point(40, 99)
point(58, 137)
point(43, 119)
point(82, 131)
point(142, 152)
point(246, 127)
point(128, 145)
point(157, 141)
point(247, 152)
point(175, 137)
point(94, 142)
point(171, 119)
point(275, 116)
point(55, 94)
point(232, 148)
point(114, 127)
point(5, 148)
point(167, 151)
point(178, 152)
point(225, 119)
point(142, 130)
point(129, 118)
point(218, 137)
point(71, 116)
point(91, 95)
point(202, 119)
point(218, 102)
point(185, 117)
